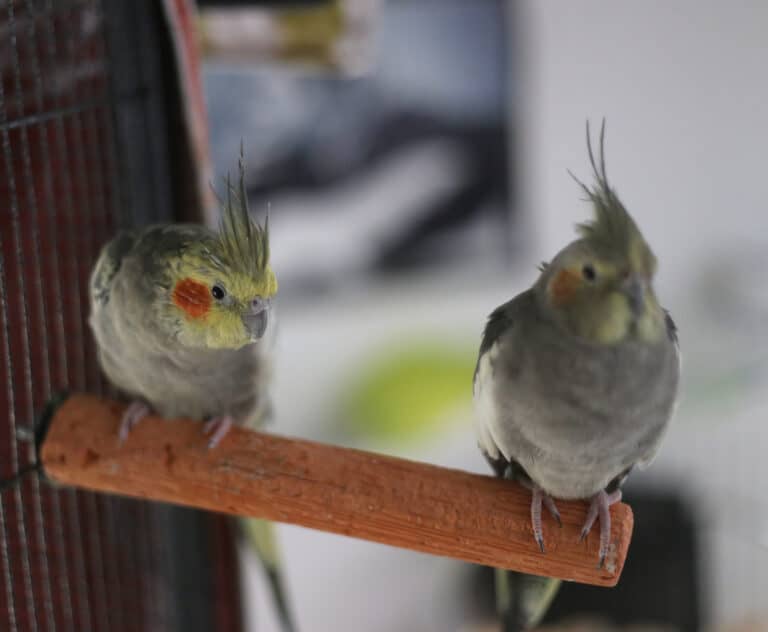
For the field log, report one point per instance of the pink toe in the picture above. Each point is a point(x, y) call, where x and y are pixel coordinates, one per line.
point(220, 426)
point(552, 508)
point(600, 509)
point(135, 412)
point(538, 532)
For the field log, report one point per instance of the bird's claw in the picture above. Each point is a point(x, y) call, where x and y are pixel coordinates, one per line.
point(599, 507)
point(217, 427)
point(135, 412)
point(540, 498)
point(552, 508)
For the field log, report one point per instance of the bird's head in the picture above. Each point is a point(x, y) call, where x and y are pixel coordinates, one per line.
point(599, 287)
point(220, 287)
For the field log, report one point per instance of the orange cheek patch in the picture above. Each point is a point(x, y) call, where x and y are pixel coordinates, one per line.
point(563, 286)
point(193, 297)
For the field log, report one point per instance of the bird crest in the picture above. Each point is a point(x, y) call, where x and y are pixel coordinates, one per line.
point(243, 241)
point(612, 232)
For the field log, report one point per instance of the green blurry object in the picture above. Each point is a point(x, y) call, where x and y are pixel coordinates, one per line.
point(403, 392)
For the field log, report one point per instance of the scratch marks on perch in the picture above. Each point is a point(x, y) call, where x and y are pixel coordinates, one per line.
point(90, 458)
point(170, 457)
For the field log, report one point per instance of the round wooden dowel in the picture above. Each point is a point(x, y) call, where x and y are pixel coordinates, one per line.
point(402, 503)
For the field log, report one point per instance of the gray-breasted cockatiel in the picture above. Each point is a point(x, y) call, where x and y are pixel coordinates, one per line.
point(576, 381)
point(180, 314)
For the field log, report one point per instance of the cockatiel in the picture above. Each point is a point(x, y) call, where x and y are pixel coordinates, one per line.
point(180, 316)
point(577, 377)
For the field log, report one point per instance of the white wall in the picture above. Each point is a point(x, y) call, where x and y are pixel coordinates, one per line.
point(684, 88)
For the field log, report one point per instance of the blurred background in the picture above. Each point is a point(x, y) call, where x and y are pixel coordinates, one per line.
point(413, 157)
point(416, 186)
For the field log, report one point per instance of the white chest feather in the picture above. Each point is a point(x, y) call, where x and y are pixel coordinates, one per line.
point(486, 411)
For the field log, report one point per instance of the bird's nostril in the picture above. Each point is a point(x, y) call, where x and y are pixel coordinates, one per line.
point(258, 305)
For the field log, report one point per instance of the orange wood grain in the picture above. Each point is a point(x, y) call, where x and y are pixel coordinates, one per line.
point(402, 503)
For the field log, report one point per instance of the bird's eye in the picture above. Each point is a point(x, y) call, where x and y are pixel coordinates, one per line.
point(218, 292)
point(588, 272)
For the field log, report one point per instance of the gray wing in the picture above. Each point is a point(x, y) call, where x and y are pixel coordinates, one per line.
point(500, 322)
point(108, 265)
point(500, 325)
point(671, 329)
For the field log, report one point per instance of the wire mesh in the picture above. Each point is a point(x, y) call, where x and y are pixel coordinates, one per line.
point(73, 561)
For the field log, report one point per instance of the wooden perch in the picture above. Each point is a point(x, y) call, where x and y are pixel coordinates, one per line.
point(402, 503)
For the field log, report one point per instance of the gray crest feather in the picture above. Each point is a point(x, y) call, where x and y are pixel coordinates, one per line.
point(612, 230)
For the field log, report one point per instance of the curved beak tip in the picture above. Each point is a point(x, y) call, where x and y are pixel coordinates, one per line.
point(635, 293)
point(256, 324)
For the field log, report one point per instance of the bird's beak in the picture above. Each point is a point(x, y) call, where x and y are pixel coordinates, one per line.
point(256, 318)
point(634, 289)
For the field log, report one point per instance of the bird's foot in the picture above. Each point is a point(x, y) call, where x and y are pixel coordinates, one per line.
point(599, 507)
point(541, 498)
point(217, 427)
point(135, 412)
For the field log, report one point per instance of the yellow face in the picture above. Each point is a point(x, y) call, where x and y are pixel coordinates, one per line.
point(220, 308)
point(605, 300)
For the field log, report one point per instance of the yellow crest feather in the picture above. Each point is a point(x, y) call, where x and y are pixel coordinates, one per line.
point(243, 242)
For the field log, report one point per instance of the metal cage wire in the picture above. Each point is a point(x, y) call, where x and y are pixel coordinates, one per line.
point(72, 560)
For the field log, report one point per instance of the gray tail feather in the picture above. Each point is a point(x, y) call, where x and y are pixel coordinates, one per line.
point(523, 600)
point(508, 603)
point(261, 536)
point(277, 588)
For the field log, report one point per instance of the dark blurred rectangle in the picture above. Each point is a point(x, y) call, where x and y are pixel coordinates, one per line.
point(661, 584)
